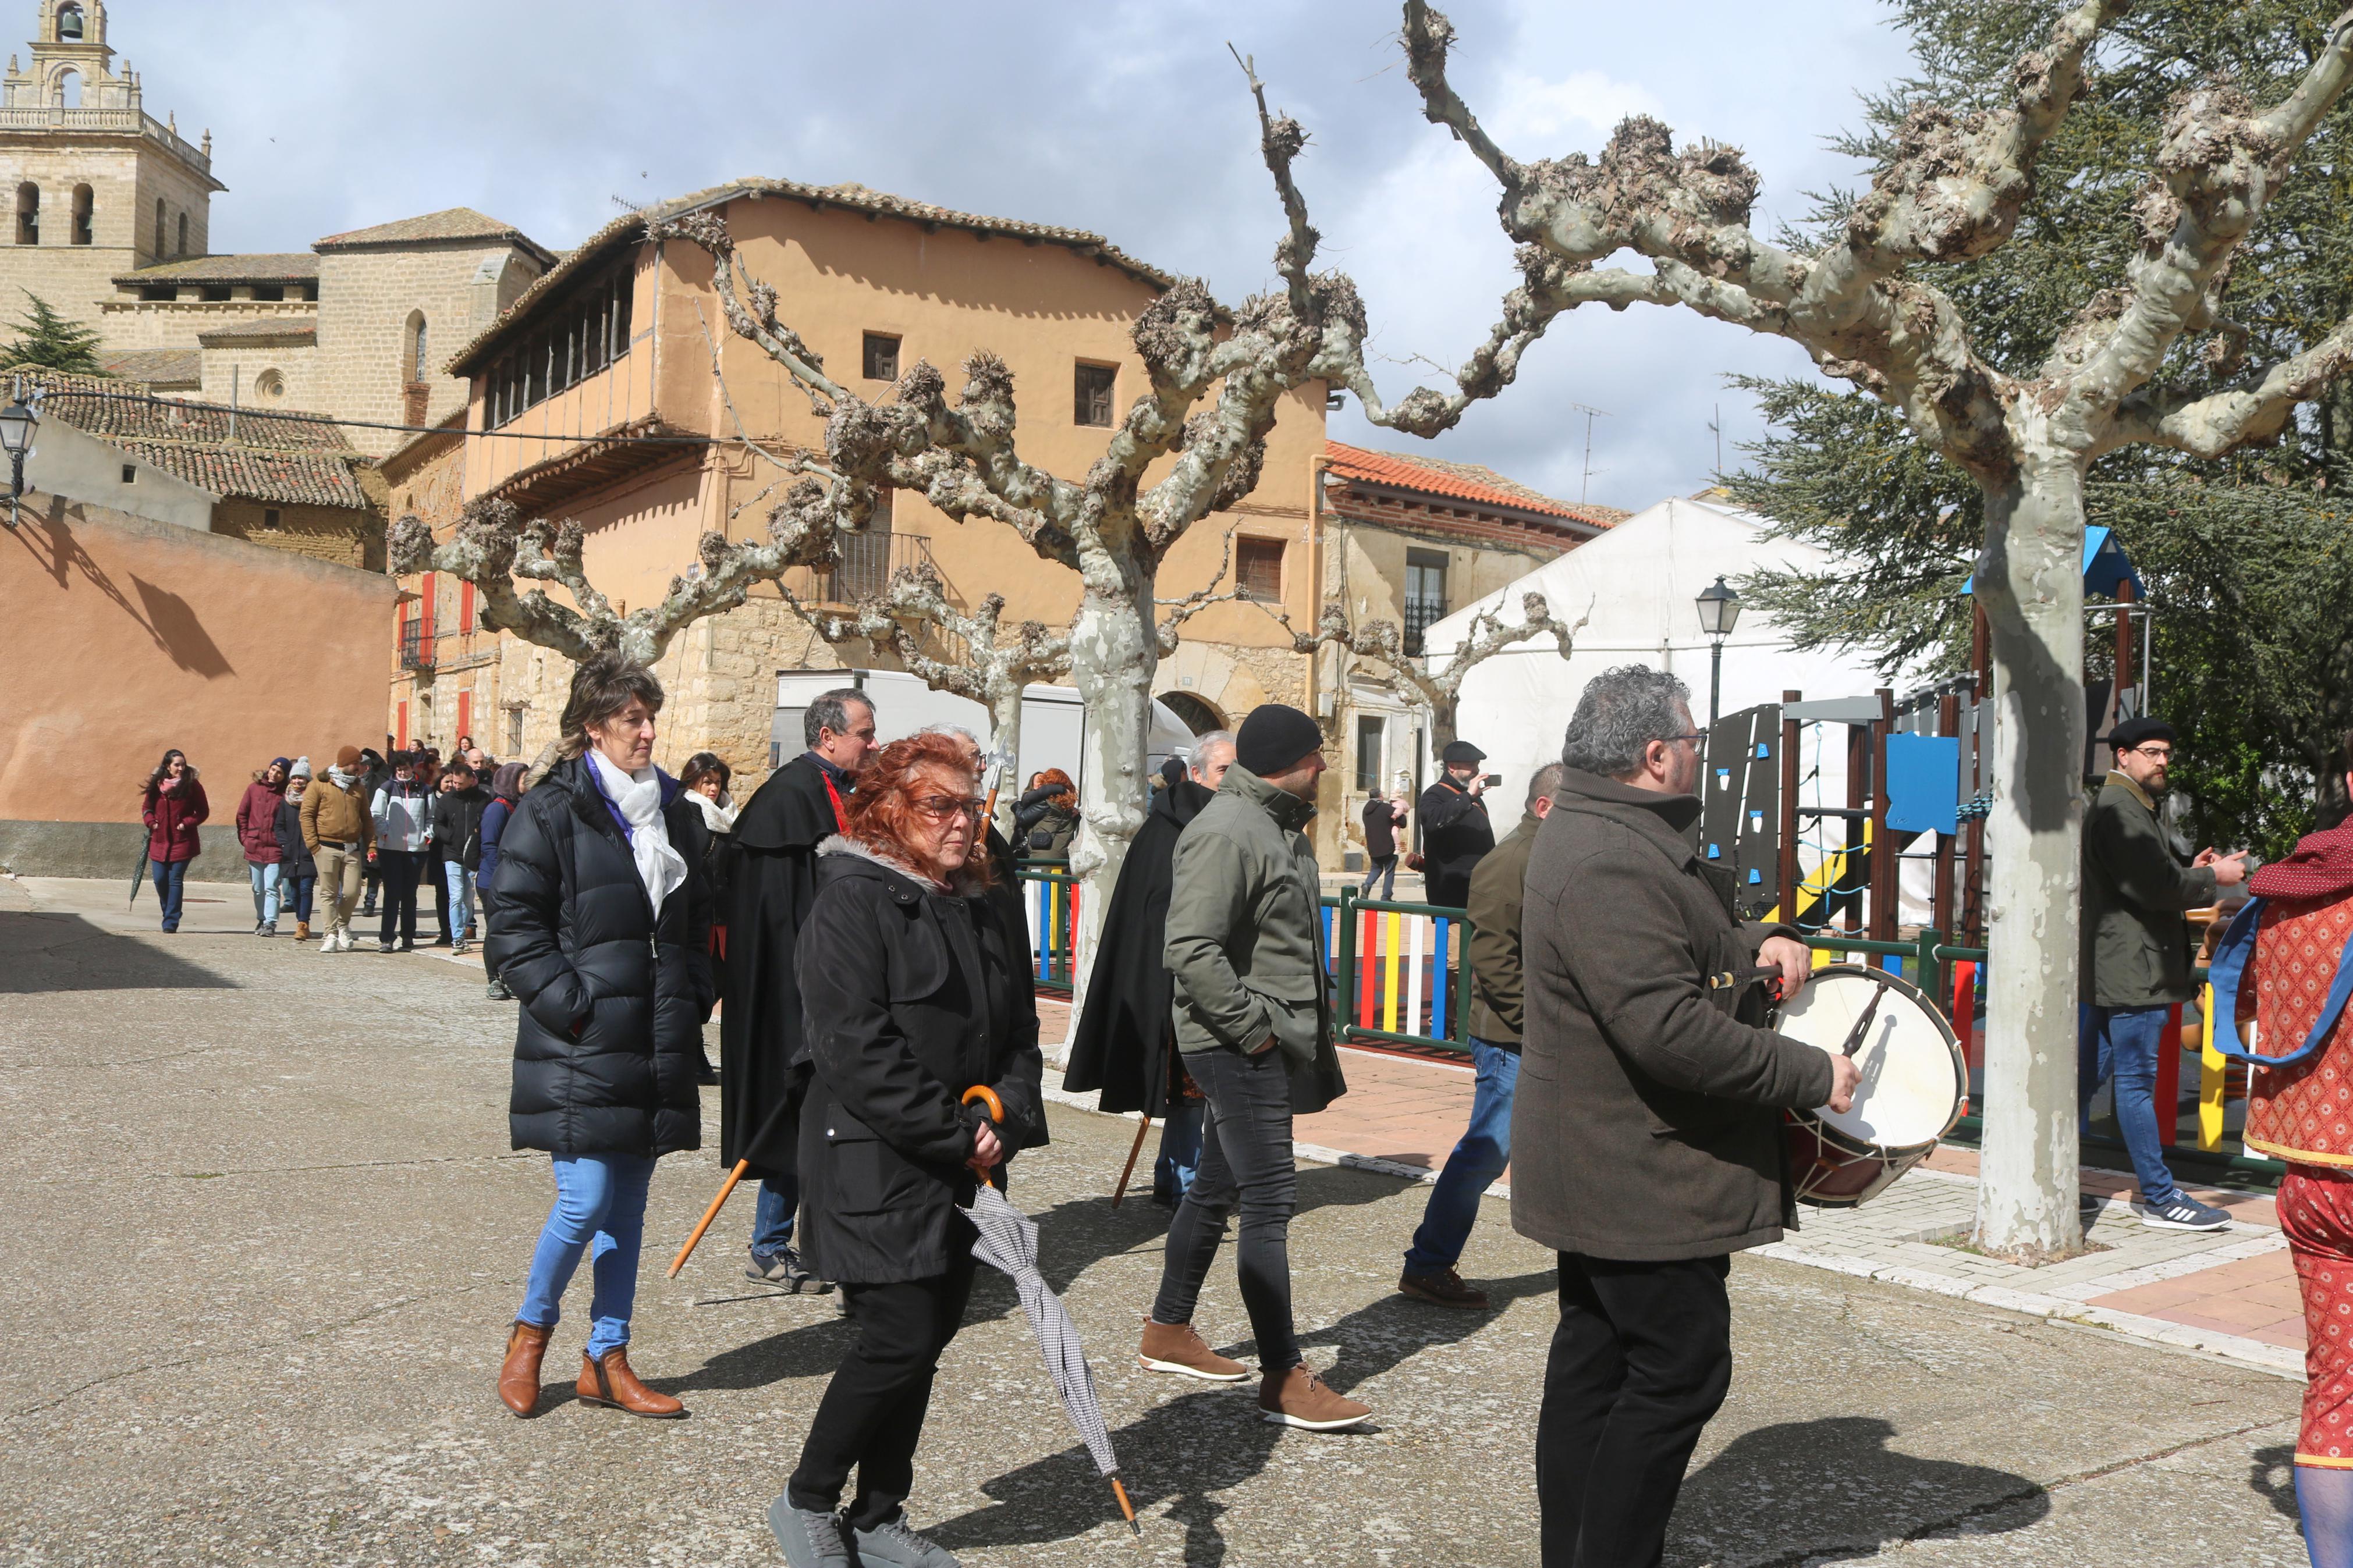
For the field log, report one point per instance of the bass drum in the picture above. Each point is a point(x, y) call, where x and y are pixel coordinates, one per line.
point(1914, 1084)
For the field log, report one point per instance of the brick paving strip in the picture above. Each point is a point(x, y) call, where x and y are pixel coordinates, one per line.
point(2230, 1293)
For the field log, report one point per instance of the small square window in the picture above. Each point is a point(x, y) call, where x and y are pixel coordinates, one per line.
point(882, 357)
point(130, 473)
point(1093, 403)
point(1258, 569)
point(269, 519)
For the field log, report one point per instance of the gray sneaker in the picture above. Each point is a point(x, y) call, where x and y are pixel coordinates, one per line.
point(2183, 1212)
point(786, 1272)
point(807, 1539)
point(891, 1541)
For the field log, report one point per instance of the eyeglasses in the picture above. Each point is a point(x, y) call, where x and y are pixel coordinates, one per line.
point(940, 808)
point(1694, 738)
point(2156, 750)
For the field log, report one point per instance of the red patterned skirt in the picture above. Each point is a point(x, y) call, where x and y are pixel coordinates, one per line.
point(2316, 1213)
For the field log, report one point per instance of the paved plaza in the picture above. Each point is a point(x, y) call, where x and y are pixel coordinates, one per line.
point(269, 1235)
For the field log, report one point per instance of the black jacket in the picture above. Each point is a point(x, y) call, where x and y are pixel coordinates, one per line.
point(2137, 882)
point(1455, 835)
point(458, 825)
point(913, 995)
point(1380, 828)
point(1122, 1043)
point(294, 858)
point(771, 883)
point(609, 1041)
point(1647, 1122)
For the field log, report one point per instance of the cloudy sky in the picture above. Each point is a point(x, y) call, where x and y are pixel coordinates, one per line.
point(1127, 119)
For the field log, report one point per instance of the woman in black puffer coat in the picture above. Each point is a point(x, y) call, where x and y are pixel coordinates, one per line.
point(604, 921)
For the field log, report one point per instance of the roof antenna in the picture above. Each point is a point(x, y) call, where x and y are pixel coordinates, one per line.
point(1590, 414)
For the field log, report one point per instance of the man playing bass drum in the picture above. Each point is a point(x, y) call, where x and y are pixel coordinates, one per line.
point(1646, 1128)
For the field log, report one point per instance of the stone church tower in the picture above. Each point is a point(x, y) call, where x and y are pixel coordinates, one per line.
point(93, 185)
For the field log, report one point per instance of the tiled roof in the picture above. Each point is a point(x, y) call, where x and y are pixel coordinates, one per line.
point(276, 329)
point(1470, 482)
point(629, 226)
point(451, 222)
point(294, 462)
point(169, 368)
point(265, 267)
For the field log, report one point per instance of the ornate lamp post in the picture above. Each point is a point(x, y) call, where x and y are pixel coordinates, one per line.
point(18, 423)
point(1719, 612)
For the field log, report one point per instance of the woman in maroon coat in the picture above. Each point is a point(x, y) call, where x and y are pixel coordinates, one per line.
point(175, 804)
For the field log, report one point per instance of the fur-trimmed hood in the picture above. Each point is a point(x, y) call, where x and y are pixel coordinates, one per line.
point(967, 883)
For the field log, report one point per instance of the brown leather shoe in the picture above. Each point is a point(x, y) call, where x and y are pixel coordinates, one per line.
point(1175, 1347)
point(301, 931)
point(1444, 1287)
point(609, 1381)
point(519, 1375)
point(1300, 1398)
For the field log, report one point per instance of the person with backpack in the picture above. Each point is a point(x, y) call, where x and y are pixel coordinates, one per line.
point(2299, 931)
point(458, 838)
point(298, 869)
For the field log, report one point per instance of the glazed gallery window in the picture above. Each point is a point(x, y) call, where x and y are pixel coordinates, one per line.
point(1092, 403)
point(1258, 569)
point(575, 336)
point(882, 357)
point(1425, 593)
point(1370, 732)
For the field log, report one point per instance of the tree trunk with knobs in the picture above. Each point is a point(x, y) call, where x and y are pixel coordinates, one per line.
point(1114, 656)
point(2031, 582)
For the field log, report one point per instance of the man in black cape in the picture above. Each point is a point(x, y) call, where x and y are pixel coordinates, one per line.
point(1123, 1044)
point(762, 1071)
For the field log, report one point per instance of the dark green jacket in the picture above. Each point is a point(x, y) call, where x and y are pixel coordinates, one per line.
point(1244, 935)
point(2136, 885)
point(1497, 883)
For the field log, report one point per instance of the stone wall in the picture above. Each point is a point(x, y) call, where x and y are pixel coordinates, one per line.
point(334, 533)
point(263, 376)
point(367, 303)
point(125, 180)
point(132, 324)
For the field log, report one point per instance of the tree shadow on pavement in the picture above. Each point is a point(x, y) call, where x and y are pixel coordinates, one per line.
point(47, 952)
point(1201, 1443)
point(1831, 1489)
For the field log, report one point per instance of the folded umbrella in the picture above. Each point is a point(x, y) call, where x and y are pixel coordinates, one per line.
point(1008, 1243)
point(138, 870)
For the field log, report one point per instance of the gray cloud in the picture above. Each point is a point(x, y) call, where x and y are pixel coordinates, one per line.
point(1129, 120)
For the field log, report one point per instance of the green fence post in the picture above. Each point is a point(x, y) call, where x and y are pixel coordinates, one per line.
point(1931, 975)
point(1461, 996)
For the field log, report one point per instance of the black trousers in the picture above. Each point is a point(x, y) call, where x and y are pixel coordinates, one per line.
point(1640, 1360)
point(401, 868)
point(871, 1416)
point(1246, 1161)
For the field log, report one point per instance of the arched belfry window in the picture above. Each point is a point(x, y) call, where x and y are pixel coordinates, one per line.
point(416, 362)
point(69, 88)
point(29, 214)
point(69, 23)
point(82, 214)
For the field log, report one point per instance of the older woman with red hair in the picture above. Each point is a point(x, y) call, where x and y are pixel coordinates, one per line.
point(915, 986)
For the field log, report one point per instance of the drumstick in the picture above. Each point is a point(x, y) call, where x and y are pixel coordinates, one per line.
point(1733, 979)
point(1862, 1025)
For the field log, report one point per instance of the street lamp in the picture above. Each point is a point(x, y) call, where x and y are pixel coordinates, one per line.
point(18, 423)
point(1719, 612)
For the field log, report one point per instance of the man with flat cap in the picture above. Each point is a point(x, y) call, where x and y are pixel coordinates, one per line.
point(1243, 947)
point(1455, 831)
point(2136, 955)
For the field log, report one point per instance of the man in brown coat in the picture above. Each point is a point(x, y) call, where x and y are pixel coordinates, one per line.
point(1646, 1129)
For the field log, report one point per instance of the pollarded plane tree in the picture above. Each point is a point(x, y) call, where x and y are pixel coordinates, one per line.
point(1436, 690)
point(2154, 359)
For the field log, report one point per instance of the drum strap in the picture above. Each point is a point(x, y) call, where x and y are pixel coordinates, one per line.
point(2230, 961)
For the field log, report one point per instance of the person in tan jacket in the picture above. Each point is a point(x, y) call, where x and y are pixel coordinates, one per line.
point(337, 832)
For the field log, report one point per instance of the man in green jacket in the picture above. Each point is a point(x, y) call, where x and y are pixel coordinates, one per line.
point(1497, 991)
point(1244, 950)
point(2135, 958)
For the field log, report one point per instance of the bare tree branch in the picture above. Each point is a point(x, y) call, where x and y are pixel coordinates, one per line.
point(1436, 691)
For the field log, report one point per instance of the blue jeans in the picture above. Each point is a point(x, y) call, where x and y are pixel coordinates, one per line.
point(1482, 1155)
point(600, 1201)
point(1180, 1153)
point(2122, 1043)
point(171, 879)
point(294, 893)
point(1383, 867)
point(263, 874)
point(460, 901)
point(772, 1222)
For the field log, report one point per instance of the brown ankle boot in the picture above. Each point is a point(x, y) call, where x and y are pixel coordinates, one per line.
point(609, 1381)
point(1300, 1398)
point(301, 931)
point(519, 1377)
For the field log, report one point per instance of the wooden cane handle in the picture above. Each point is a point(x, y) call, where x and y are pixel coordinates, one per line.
point(987, 1097)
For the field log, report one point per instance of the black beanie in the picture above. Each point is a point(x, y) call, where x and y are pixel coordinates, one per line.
point(1274, 737)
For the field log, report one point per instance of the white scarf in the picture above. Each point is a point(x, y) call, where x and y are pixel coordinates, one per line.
point(718, 816)
point(638, 796)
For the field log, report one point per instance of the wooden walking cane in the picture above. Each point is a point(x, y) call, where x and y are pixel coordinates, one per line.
point(708, 1215)
point(1134, 1150)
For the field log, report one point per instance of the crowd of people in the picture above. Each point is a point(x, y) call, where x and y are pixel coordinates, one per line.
point(856, 927)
